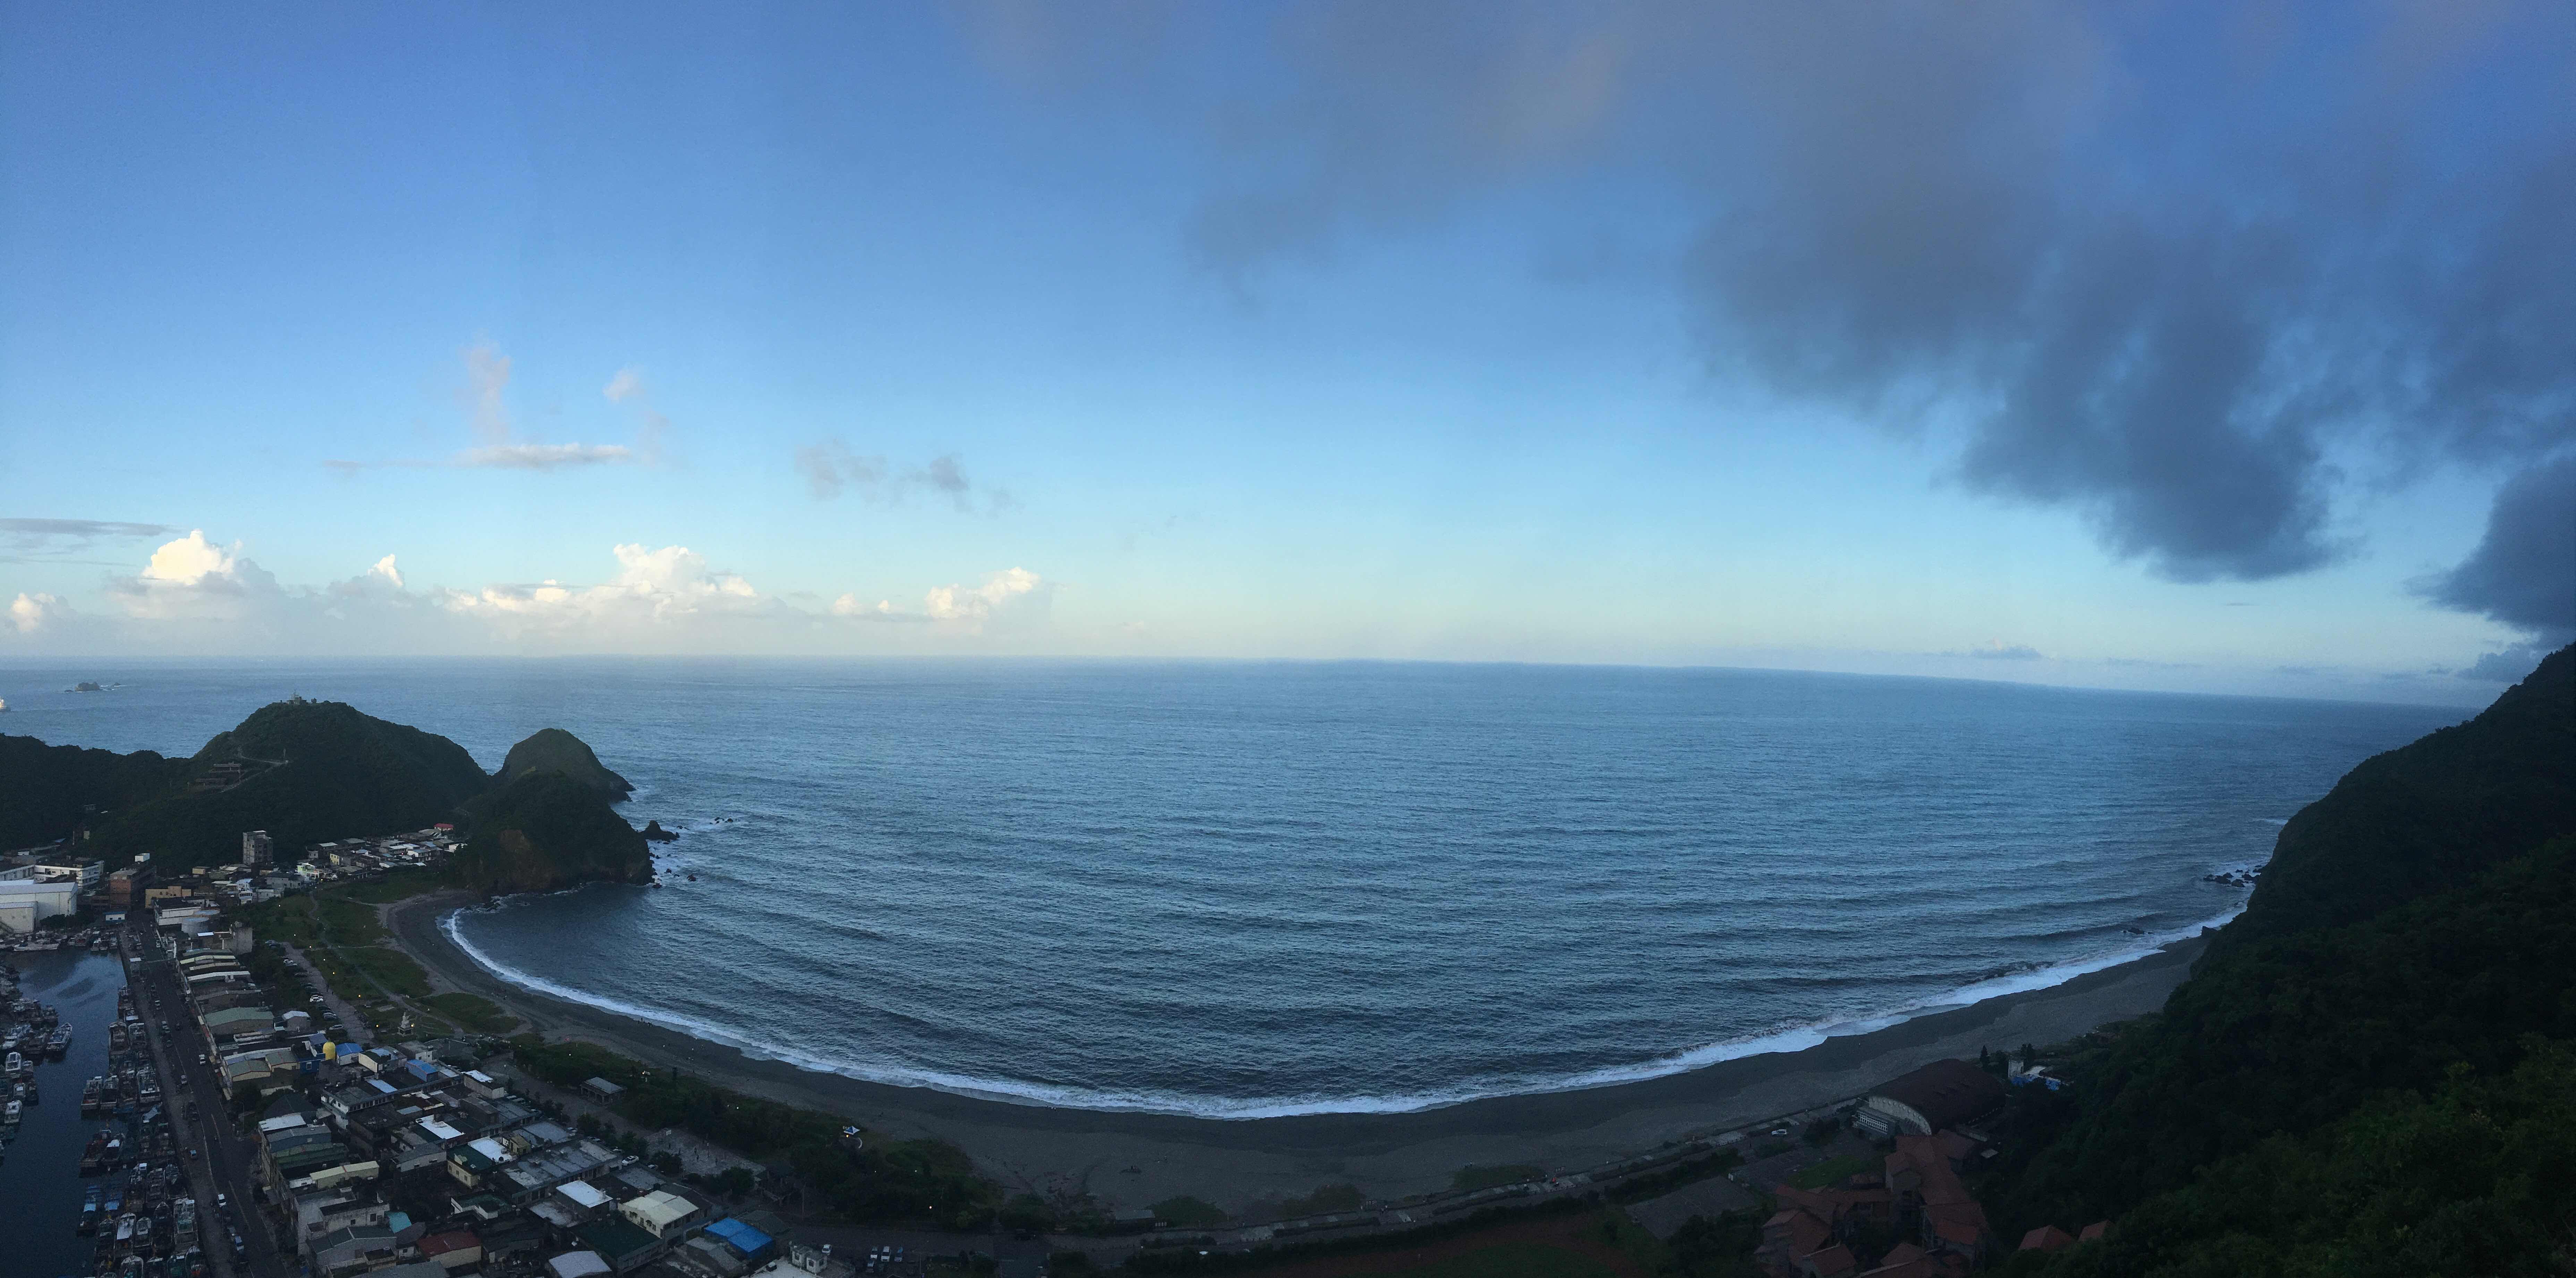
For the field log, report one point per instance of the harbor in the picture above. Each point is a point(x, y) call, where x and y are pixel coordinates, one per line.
point(90, 1165)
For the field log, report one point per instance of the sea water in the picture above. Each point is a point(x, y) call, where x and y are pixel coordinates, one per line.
point(1243, 889)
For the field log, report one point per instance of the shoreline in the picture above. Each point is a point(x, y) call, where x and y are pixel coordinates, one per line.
point(1133, 1158)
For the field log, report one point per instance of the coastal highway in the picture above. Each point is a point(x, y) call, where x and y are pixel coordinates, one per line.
point(201, 1120)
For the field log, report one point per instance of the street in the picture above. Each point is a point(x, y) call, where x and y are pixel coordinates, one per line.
point(201, 1118)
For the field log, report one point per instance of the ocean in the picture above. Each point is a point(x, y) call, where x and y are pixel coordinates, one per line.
point(1248, 889)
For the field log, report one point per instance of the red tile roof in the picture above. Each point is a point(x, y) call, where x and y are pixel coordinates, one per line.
point(2047, 1238)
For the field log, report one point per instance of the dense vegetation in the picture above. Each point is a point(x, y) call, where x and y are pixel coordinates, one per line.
point(317, 770)
point(2470, 1182)
point(879, 1180)
point(547, 830)
point(311, 771)
point(2415, 942)
point(2426, 816)
point(52, 789)
point(555, 750)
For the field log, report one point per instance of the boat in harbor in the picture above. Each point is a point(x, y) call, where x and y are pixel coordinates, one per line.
point(17, 1064)
point(125, 1230)
point(89, 1212)
point(59, 1043)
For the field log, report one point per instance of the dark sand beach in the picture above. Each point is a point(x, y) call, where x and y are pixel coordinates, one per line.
point(1132, 1159)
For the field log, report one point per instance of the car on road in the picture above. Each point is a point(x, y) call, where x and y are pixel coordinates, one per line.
point(201, 1058)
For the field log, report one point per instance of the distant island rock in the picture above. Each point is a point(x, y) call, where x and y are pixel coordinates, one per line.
point(86, 686)
point(555, 750)
point(654, 832)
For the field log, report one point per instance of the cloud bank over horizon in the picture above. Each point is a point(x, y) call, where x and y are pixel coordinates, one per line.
point(194, 595)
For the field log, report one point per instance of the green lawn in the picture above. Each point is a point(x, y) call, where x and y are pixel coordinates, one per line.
point(473, 1012)
point(1833, 1170)
point(392, 969)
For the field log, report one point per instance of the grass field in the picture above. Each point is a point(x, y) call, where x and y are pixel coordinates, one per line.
point(472, 1012)
point(1832, 1171)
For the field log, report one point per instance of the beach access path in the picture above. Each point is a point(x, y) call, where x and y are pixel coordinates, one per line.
point(1132, 1160)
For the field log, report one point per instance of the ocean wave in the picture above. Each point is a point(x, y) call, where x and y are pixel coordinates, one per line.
point(1015, 1091)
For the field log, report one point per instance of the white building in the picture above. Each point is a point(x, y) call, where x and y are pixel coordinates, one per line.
point(31, 894)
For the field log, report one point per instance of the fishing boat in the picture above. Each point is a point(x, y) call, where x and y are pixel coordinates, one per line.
point(114, 1201)
point(10, 1115)
point(89, 1212)
point(116, 1037)
point(60, 1043)
point(125, 1230)
point(94, 1157)
point(17, 1065)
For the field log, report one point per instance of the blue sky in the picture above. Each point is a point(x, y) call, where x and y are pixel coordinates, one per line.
point(2189, 350)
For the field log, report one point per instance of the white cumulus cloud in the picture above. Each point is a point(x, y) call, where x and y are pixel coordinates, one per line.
point(30, 613)
point(190, 560)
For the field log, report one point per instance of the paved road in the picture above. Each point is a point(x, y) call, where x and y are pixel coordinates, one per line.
point(352, 1028)
point(201, 1120)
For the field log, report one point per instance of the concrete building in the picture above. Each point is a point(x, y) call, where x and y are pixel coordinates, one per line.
point(660, 1213)
point(31, 894)
point(257, 853)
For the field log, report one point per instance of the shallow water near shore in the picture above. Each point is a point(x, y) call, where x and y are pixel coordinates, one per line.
point(1241, 890)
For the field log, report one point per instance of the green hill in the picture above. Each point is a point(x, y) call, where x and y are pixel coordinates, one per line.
point(547, 830)
point(311, 770)
point(52, 790)
point(2427, 816)
point(2413, 941)
point(555, 750)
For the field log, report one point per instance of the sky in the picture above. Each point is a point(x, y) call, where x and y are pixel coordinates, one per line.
point(2222, 348)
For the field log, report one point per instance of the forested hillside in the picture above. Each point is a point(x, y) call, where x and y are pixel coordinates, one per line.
point(309, 771)
point(2415, 949)
point(314, 770)
point(46, 791)
point(548, 830)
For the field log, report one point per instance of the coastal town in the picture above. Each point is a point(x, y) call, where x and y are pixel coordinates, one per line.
point(249, 1121)
point(241, 1128)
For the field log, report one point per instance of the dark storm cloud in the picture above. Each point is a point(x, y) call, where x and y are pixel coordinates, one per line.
point(2523, 572)
point(2164, 267)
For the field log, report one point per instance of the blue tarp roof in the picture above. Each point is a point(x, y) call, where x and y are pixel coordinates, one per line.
point(741, 1237)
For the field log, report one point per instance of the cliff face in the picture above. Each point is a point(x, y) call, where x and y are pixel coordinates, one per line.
point(555, 750)
point(305, 771)
point(545, 831)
